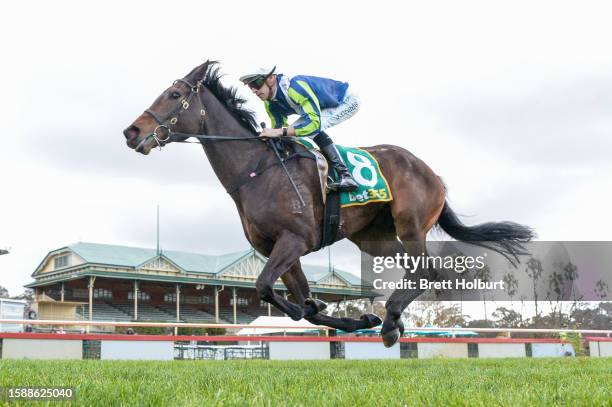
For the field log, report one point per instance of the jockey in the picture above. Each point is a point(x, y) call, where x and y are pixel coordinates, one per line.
point(321, 103)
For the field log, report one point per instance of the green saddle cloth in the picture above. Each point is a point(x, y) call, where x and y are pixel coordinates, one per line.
point(373, 186)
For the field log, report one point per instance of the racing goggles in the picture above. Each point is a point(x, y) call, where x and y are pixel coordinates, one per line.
point(257, 83)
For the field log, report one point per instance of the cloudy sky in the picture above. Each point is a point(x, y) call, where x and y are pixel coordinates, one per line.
point(509, 103)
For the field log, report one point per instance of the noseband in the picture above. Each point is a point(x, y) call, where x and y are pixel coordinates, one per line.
point(174, 116)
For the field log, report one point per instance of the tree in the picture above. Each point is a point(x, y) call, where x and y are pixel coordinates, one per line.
point(601, 289)
point(605, 308)
point(511, 284)
point(3, 292)
point(27, 295)
point(534, 271)
point(507, 318)
point(355, 309)
point(484, 274)
point(481, 323)
point(555, 295)
point(599, 317)
point(450, 316)
point(570, 272)
point(422, 313)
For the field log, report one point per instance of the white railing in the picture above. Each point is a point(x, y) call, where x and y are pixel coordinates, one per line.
point(238, 326)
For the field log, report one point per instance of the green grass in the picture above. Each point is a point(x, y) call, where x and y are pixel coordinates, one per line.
point(469, 382)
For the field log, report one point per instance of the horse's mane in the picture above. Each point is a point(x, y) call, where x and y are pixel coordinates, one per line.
point(226, 95)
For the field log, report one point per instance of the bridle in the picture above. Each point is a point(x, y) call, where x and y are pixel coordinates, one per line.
point(183, 106)
point(173, 117)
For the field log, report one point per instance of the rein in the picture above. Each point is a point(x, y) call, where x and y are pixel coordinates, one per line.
point(177, 137)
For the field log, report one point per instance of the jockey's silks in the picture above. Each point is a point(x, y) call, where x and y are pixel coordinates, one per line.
point(305, 96)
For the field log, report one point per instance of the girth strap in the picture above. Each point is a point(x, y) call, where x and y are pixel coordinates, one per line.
point(331, 219)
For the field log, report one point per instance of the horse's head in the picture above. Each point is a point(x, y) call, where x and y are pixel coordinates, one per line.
point(178, 109)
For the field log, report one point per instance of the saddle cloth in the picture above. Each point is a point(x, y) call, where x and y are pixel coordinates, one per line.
point(373, 186)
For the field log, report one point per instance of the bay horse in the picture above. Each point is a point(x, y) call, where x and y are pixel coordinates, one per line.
point(278, 226)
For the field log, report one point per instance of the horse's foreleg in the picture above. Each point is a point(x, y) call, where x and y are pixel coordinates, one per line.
point(297, 284)
point(286, 252)
point(346, 324)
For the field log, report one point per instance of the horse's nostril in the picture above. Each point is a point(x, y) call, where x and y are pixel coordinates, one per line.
point(131, 132)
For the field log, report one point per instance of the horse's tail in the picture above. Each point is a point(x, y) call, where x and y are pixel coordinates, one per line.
point(505, 238)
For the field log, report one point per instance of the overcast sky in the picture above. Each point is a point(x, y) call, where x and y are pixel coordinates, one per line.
point(510, 104)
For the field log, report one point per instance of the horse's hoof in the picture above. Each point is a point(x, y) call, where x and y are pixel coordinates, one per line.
point(371, 319)
point(318, 305)
point(390, 338)
point(296, 316)
point(296, 313)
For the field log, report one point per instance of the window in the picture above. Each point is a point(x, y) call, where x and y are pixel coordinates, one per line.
point(80, 293)
point(142, 296)
point(52, 292)
point(199, 299)
point(240, 301)
point(102, 293)
point(61, 261)
point(263, 304)
point(191, 299)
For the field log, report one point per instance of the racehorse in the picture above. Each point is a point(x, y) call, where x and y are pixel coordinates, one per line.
point(282, 228)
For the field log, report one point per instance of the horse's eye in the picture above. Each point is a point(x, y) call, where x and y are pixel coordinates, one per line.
point(175, 95)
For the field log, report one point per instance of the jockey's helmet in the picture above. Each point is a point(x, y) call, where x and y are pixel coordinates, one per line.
point(257, 78)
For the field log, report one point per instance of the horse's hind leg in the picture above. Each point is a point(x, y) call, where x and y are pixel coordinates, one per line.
point(389, 246)
point(381, 239)
point(297, 284)
point(393, 327)
point(411, 227)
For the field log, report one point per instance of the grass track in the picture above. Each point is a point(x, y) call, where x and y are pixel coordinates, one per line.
point(469, 382)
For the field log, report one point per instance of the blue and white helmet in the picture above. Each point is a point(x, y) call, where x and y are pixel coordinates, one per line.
point(259, 75)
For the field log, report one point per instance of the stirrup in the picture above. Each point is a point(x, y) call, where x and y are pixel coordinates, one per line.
point(338, 186)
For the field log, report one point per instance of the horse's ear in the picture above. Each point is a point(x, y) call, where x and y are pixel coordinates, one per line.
point(202, 69)
point(199, 71)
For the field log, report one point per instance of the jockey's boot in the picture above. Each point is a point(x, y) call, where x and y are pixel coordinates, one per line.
point(346, 182)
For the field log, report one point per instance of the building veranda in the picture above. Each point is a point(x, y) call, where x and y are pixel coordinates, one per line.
point(117, 283)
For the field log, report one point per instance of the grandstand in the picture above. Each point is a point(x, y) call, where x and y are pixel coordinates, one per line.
point(104, 312)
point(119, 283)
